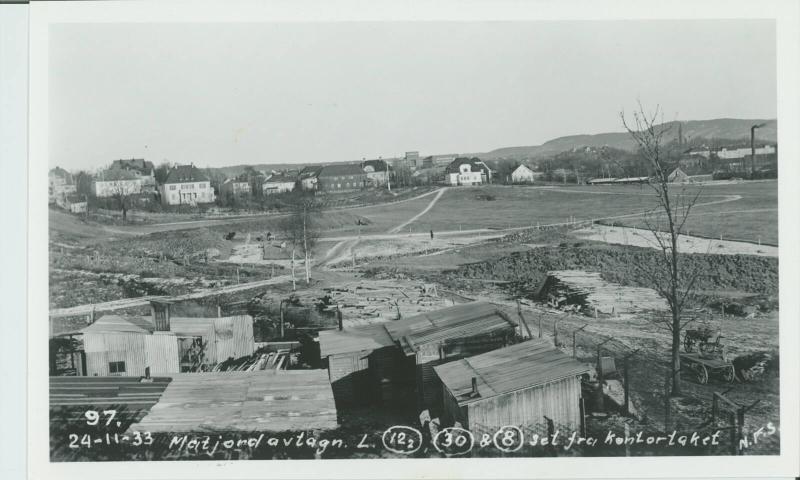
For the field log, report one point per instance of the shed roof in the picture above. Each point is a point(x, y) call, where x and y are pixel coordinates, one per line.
point(527, 364)
point(283, 400)
point(371, 337)
point(458, 321)
point(120, 324)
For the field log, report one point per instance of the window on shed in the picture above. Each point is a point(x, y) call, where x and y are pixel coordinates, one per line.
point(116, 367)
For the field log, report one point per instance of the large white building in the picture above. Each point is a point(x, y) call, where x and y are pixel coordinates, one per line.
point(277, 183)
point(186, 185)
point(467, 171)
point(745, 152)
point(109, 188)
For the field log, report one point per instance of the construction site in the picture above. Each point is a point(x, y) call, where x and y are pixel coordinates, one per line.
point(539, 325)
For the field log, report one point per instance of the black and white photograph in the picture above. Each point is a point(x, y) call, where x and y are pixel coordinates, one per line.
point(404, 238)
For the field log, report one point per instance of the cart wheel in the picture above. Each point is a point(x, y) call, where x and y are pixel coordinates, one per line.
point(729, 374)
point(700, 373)
point(688, 344)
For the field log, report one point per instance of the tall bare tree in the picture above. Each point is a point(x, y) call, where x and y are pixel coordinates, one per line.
point(123, 184)
point(672, 278)
point(302, 229)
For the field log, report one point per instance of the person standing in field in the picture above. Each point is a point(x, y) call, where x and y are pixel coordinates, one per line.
point(431, 234)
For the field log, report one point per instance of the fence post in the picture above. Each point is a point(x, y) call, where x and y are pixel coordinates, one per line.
point(540, 325)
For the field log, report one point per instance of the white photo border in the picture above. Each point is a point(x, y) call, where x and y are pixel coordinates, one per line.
point(786, 14)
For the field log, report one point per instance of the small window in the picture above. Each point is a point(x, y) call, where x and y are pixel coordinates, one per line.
point(338, 185)
point(172, 187)
point(116, 367)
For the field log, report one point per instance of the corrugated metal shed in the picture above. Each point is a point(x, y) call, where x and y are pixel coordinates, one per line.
point(371, 337)
point(527, 364)
point(458, 321)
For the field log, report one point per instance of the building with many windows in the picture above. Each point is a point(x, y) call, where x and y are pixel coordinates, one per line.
point(186, 185)
point(342, 177)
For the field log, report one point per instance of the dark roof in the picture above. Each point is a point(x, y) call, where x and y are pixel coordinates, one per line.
point(311, 171)
point(476, 165)
point(506, 370)
point(131, 392)
point(377, 165)
point(60, 172)
point(185, 174)
point(371, 337)
point(279, 178)
point(139, 164)
point(340, 169)
point(458, 321)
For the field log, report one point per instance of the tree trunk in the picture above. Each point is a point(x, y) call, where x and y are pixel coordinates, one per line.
point(294, 282)
point(305, 249)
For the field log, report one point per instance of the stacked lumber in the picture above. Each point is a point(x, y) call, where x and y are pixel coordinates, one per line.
point(269, 400)
point(365, 303)
point(587, 292)
point(278, 360)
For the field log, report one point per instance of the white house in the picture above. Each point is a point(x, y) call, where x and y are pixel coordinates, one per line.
point(59, 182)
point(109, 188)
point(467, 171)
point(745, 152)
point(377, 171)
point(522, 174)
point(235, 187)
point(186, 185)
point(277, 183)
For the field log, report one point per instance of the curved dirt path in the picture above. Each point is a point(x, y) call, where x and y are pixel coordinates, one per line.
point(423, 212)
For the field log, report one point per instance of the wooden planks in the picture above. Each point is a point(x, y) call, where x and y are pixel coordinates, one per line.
point(275, 400)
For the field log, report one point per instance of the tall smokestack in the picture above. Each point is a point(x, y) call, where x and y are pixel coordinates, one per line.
point(339, 319)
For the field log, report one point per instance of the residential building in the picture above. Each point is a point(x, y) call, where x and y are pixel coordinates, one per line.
point(72, 202)
point(138, 166)
point(309, 178)
point(59, 182)
point(523, 384)
point(342, 177)
point(235, 188)
point(467, 171)
point(186, 185)
point(377, 172)
point(522, 174)
point(109, 188)
point(127, 345)
point(412, 159)
point(678, 176)
point(279, 183)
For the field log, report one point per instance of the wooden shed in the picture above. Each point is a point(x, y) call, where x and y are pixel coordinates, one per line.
point(517, 385)
point(444, 335)
point(127, 345)
point(393, 362)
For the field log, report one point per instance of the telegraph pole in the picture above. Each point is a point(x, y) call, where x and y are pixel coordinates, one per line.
point(753, 148)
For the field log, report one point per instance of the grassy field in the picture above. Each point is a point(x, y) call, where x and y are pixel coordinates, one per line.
point(750, 217)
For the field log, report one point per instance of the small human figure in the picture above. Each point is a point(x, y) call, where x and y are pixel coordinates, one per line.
point(431, 234)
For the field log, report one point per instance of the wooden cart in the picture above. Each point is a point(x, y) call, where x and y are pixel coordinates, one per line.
point(701, 367)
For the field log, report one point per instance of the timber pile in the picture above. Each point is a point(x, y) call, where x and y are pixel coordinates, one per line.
point(279, 360)
point(106, 391)
point(376, 301)
point(270, 400)
point(587, 292)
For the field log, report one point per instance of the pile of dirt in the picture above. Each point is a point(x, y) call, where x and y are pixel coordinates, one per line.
point(630, 266)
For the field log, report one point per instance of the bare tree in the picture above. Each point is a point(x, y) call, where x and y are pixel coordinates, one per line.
point(121, 185)
point(671, 278)
point(302, 230)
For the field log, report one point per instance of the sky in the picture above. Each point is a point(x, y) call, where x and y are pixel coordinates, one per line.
point(230, 94)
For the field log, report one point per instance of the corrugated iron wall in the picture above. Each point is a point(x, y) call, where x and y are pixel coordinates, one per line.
point(234, 337)
point(161, 352)
point(558, 401)
point(102, 348)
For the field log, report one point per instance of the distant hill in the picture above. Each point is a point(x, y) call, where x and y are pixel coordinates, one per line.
point(720, 128)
